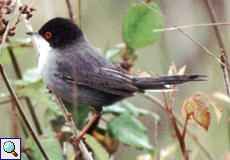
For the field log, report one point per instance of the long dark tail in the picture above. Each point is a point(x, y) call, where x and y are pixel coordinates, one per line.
point(145, 83)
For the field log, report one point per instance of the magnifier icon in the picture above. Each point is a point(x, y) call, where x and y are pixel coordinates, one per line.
point(9, 147)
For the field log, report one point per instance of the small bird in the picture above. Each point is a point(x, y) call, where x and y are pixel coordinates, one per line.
point(78, 73)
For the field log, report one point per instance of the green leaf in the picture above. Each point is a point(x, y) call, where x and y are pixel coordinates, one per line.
point(78, 112)
point(30, 77)
point(98, 150)
point(126, 107)
point(5, 58)
point(35, 95)
point(138, 25)
point(52, 147)
point(5, 93)
point(130, 131)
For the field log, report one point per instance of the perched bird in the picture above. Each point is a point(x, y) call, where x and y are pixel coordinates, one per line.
point(78, 73)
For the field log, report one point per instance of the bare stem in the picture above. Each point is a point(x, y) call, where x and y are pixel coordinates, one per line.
point(9, 101)
point(178, 134)
point(191, 26)
point(19, 76)
point(79, 13)
point(7, 29)
point(181, 123)
point(216, 28)
point(22, 113)
point(71, 124)
point(71, 16)
point(15, 120)
point(187, 35)
point(185, 125)
point(224, 55)
point(169, 109)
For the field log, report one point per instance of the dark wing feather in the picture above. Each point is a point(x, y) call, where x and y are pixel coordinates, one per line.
point(87, 67)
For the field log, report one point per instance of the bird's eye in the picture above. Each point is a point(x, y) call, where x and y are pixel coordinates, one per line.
point(48, 35)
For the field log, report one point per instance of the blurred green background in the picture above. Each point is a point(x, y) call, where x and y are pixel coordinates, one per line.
point(102, 25)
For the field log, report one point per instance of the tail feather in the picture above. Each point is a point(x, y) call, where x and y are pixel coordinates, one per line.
point(145, 83)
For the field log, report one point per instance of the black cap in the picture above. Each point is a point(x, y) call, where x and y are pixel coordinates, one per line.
point(60, 32)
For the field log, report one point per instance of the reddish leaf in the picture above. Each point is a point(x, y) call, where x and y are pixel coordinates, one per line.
point(201, 114)
point(196, 110)
point(217, 109)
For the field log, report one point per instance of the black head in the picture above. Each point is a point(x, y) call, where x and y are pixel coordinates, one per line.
point(60, 32)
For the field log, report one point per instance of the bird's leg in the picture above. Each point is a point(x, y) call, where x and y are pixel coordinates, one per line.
point(97, 113)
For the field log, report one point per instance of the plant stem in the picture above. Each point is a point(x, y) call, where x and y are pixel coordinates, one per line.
point(22, 113)
point(224, 55)
point(70, 10)
point(216, 28)
point(169, 109)
point(79, 13)
point(181, 123)
point(71, 124)
point(187, 35)
point(179, 136)
point(15, 120)
point(19, 76)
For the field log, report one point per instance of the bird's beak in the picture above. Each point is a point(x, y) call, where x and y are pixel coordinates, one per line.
point(31, 33)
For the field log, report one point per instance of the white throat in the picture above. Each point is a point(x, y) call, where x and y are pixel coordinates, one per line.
point(43, 49)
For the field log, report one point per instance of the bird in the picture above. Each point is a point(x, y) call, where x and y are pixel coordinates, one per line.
point(78, 73)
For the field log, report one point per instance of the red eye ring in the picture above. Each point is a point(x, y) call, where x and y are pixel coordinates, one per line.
point(48, 35)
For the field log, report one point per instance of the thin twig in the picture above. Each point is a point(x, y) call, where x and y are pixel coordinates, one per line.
point(190, 26)
point(187, 35)
point(79, 13)
point(29, 28)
point(157, 150)
point(7, 28)
point(71, 124)
point(19, 76)
point(169, 109)
point(224, 55)
point(22, 113)
point(70, 10)
point(178, 134)
point(181, 123)
point(226, 79)
point(9, 100)
point(15, 120)
point(185, 125)
point(217, 29)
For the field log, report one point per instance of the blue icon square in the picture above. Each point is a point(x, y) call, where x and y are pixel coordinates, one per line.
point(10, 148)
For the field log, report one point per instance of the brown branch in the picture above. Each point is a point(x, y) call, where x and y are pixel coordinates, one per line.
point(15, 121)
point(22, 113)
point(187, 35)
point(79, 13)
point(216, 28)
point(7, 28)
point(181, 123)
point(224, 55)
point(179, 135)
point(87, 155)
point(185, 125)
point(70, 10)
point(191, 26)
point(19, 76)
point(169, 109)
point(9, 100)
